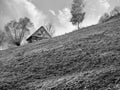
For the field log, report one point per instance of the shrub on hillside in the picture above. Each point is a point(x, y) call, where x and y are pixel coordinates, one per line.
point(115, 11)
point(106, 17)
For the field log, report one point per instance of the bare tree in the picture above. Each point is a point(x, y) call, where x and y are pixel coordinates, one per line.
point(17, 30)
point(50, 28)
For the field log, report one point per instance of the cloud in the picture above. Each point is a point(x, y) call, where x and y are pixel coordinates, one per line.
point(4, 19)
point(36, 16)
point(64, 25)
point(52, 12)
point(64, 16)
point(15, 9)
point(118, 1)
point(91, 19)
point(104, 3)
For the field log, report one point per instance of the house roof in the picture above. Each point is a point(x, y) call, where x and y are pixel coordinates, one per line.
point(39, 30)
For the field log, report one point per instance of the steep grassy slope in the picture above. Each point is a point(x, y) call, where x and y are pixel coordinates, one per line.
point(87, 59)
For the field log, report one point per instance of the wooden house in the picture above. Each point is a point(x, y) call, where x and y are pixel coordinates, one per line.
point(40, 34)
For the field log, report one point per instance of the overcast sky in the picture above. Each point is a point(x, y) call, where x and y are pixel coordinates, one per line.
point(56, 11)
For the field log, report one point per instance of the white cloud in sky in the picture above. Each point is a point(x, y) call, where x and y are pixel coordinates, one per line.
point(52, 12)
point(90, 20)
point(36, 16)
point(118, 1)
point(4, 19)
point(64, 25)
point(64, 16)
point(104, 3)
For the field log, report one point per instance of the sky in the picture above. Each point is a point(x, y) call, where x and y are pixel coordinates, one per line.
point(42, 12)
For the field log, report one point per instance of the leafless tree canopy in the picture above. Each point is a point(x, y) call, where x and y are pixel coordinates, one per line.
point(50, 28)
point(17, 30)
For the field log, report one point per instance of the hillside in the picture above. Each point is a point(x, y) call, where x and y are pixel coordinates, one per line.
point(86, 59)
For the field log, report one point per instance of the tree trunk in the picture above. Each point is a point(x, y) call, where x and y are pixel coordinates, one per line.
point(17, 43)
point(78, 26)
